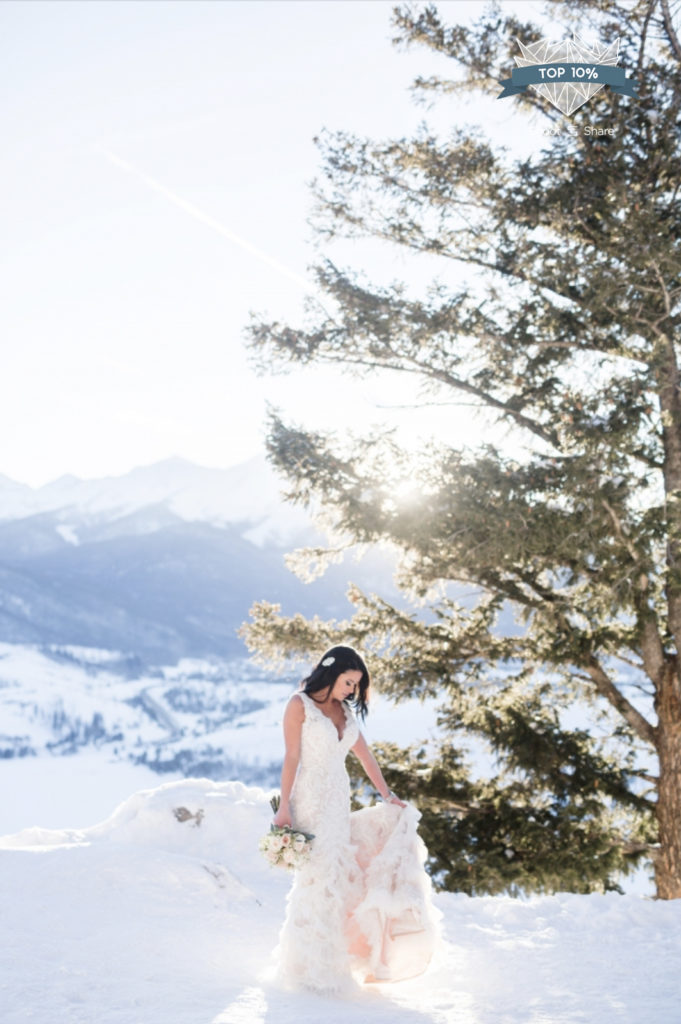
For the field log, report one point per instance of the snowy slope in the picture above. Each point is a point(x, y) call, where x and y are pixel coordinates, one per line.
point(147, 919)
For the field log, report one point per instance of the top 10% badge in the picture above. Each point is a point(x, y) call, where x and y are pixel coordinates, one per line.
point(567, 73)
point(541, 74)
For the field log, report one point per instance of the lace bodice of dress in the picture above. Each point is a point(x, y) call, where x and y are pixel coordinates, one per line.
point(320, 798)
point(320, 743)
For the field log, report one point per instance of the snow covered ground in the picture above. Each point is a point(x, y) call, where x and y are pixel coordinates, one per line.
point(148, 919)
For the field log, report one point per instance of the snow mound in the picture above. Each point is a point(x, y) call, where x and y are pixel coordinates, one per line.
point(215, 822)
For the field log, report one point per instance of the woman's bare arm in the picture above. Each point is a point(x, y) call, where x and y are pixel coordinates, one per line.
point(293, 726)
point(366, 758)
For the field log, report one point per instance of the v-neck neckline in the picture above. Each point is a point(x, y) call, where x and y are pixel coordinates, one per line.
point(330, 719)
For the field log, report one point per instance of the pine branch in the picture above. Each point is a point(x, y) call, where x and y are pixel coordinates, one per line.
point(627, 847)
point(489, 401)
point(571, 294)
point(641, 726)
point(652, 648)
point(669, 29)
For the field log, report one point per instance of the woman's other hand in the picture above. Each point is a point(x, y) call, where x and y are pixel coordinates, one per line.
point(395, 800)
point(282, 817)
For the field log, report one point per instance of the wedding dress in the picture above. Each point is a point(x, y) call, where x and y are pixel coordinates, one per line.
point(361, 908)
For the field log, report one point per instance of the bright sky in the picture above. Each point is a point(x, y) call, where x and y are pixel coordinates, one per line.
point(157, 158)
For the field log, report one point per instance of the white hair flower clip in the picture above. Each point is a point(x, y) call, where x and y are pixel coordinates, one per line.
point(328, 661)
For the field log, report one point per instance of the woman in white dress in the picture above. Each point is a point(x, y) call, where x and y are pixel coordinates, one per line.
point(361, 908)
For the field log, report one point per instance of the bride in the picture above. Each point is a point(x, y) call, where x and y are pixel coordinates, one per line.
point(360, 909)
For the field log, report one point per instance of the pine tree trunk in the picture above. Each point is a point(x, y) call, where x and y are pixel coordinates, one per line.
point(668, 861)
point(668, 695)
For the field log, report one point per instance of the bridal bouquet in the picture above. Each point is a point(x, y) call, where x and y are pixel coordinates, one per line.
point(284, 846)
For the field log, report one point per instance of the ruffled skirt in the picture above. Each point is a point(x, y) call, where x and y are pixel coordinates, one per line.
point(361, 909)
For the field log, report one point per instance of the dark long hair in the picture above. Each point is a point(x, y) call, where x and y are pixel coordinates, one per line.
point(322, 677)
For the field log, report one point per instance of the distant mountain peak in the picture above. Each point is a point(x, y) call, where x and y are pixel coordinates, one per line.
point(248, 492)
point(64, 480)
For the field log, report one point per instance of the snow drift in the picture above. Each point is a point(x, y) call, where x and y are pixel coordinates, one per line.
point(165, 913)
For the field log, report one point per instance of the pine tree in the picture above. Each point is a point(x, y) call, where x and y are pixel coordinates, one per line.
point(567, 330)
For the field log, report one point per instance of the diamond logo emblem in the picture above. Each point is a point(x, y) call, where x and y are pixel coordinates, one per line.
point(567, 96)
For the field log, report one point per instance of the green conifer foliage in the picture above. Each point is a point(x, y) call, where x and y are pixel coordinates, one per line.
point(567, 330)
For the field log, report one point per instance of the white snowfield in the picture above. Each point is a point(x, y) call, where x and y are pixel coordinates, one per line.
point(165, 913)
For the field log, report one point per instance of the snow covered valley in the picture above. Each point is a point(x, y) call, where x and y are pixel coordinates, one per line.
point(213, 718)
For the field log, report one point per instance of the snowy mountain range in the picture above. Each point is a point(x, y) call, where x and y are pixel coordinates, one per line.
point(162, 562)
point(248, 492)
